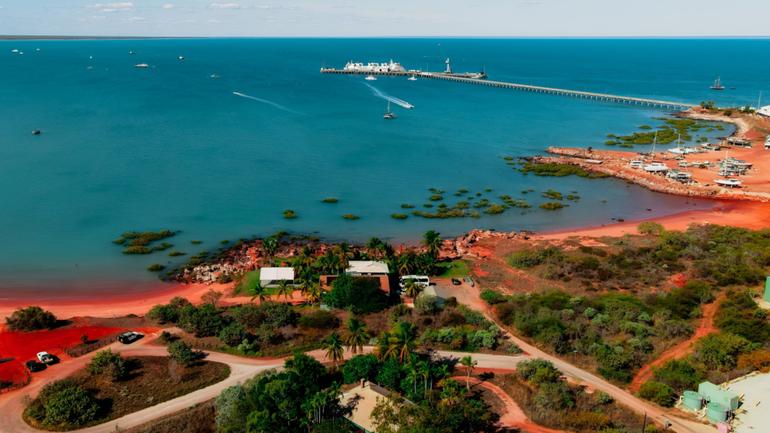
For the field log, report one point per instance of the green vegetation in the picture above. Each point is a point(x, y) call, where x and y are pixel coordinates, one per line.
point(407, 206)
point(453, 269)
point(552, 205)
point(548, 400)
point(330, 200)
point(183, 354)
point(740, 315)
point(110, 364)
point(360, 295)
point(196, 242)
point(143, 242)
point(667, 133)
point(176, 254)
point(302, 397)
point(399, 216)
point(659, 393)
point(553, 195)
point(30, 319)
point(350, 217)
point(63, 405)
point(155, 267)
point(289, 214)
point(557, 170)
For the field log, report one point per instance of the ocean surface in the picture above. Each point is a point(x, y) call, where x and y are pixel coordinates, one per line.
point(171, 147)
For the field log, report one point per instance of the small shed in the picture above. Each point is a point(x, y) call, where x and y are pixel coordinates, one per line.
point(272, 277)
point(715, 394)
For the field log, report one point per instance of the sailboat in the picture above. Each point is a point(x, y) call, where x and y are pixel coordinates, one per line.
point(717, 85)
point(412, 78)
point(389, 115)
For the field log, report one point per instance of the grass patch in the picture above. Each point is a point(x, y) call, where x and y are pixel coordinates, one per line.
point(453, 269)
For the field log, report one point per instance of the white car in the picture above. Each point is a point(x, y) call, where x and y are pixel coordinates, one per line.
point(45, 358)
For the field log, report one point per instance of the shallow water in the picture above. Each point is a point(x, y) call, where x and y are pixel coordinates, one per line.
point(169, 147)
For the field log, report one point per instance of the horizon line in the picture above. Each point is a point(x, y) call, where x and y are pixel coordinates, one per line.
point(129, 37)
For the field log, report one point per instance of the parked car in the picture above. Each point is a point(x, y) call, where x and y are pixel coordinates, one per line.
point(34, 366)
point(129, 337)
point(456, 282)
point(469, 281)
point(46, 358)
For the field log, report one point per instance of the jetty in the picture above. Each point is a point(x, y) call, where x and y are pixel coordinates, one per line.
point(480, 79)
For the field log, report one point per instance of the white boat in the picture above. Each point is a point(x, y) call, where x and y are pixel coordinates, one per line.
point(15, 51)
point(637, 163)
point(731, 183)
point(142, 65)
point(717, 85)
point(131, 52)
point(389, 115)
point(767, 143)
point(655, 167)
point(180, 58)
point(374, 67)
point(214, 76)
point(412, 78)
point(370, 78)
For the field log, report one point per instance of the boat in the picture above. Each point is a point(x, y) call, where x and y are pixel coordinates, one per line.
point(637, 163)
point(717, 85)
point(389, 115)
point(370, 78)
point(180, 58)
point(732, 183)
point(15, 51)
point(37, 132)
point(142, 65)
point(131, 52)
point(390, 67)
point(655, 167)
point(214, 76)
point(412, 78)
point(767, 143)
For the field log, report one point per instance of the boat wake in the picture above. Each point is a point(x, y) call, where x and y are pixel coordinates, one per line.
point(380, 94)
point(267, 102)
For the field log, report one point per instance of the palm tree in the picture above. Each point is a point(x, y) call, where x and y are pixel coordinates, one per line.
point(334, 350)
point(330, 263)
point(411, 288)
point(469, 365)
point(432, 241)
point(285, 290)
point(402, 341)
point(270, 246)
point(313, 292)
point(407, 262)
point(259, 292)
point(357, 335)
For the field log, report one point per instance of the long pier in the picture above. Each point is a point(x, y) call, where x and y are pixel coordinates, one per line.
point(467, 79)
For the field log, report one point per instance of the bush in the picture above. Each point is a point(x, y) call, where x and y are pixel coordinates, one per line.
point(204, 321)
point(538, 371)
point(650, 228)
point(427, 304)
point(679, 374)
point(362, 295)
point(109, 363)
point(319, 319)
point(182, 353)
point(274, 314)
point(233, 334)
point(740, 315)
point(170, 312)
point(659, 393)
point(756, 360)
point(30, 319)
point(360, 367)
point(492, 297)
point(721, 351)
point(64, 404)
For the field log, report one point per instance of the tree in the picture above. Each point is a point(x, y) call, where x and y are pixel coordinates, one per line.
point(212, 297)
point(432, 241)
point(259, 292)
point(374, 247)
point(401, 341)
point(721, 351)
point(357, 335)
point(182, 353)
point(469, 364)
point(659, 393)
point(109, 363)
point(360, 367)
point(285, 290)
point(407, 263)
point(333, 347)
point(270, 246)
point(411, 288)
point(204, 321)
point(232, 407)
point(30, 319)
point(360, 294)
point(312, 292)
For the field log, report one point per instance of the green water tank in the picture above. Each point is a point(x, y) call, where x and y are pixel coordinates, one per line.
point(692, 401)
point(767, 290)
point(716, 412)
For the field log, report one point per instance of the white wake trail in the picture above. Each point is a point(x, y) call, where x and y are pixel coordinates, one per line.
point(380, 94)
point(267, 102)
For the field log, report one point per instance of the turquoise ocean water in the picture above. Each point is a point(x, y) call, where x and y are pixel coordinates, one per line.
point(169, 147)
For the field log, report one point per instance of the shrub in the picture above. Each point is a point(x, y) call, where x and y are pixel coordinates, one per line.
point(399, 216)
point(109, 363)
point(756, 360)
point(538, 371)
point(233, 334)
point(182, 353)
point(427, 304)
point(169, 313)
point(204, 321)
point(319, 319)
point(492, 297)
point(30, 319)
point(274, 314)
point(289, 214)
point(659, 393)
point(362, 295)
point(64, 404)
point(552, 205)
point(650, 228)
point(740, 315)
point(679, 374)
point(721, 351)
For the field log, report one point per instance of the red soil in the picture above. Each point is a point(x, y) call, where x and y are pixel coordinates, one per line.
point(705, 327)
point(23, 346)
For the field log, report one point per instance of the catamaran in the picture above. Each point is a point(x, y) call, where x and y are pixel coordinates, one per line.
point(717, 85)
point(389, 115)
point(370, 78)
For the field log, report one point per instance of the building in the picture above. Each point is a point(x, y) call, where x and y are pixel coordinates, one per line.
point(764, 111)
point(367, 268)
point(273, 277)
point(365, 397)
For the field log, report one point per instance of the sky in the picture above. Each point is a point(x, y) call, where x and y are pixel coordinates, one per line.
point(534, 18)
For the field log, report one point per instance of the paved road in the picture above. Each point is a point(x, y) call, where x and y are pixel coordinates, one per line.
point(469, 296)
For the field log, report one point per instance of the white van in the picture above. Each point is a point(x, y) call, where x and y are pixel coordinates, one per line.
point(421, 280)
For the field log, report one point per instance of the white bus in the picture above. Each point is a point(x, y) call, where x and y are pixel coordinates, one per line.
point(421, 280)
